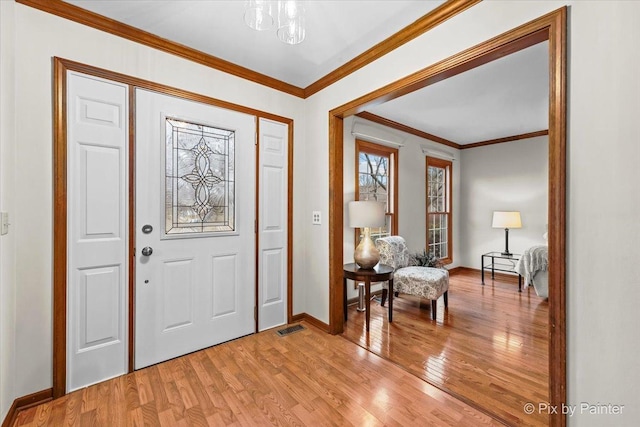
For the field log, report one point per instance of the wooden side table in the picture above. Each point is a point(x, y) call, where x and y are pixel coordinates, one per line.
point(380, 273)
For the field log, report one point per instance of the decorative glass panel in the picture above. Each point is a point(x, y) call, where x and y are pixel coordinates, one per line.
point(199, 178)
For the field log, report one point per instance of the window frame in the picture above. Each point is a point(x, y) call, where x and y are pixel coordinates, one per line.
point(447, 165)
point(392, 205)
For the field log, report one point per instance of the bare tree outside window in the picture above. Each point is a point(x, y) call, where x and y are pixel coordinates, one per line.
point(376, 173)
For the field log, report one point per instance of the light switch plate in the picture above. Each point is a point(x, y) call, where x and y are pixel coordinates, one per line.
point(317, 218)
point(4, 223)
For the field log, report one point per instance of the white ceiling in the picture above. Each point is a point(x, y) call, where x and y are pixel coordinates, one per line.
point(506, 97)
point(336, 31)
point(502, 98)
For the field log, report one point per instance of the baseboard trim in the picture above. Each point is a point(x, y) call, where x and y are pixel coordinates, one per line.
point(309, 319)
point(25, 402)
point(355, 300)
point(506, 277)
point(456, 270)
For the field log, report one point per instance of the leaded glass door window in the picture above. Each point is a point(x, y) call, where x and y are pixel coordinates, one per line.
point(199, 179)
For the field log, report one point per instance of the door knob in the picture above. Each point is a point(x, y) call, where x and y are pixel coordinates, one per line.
point(147, 251)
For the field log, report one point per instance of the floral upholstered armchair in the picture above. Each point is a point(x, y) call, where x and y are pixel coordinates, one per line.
point(408, 278)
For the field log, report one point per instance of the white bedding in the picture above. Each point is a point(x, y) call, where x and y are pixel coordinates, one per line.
point(533, 261)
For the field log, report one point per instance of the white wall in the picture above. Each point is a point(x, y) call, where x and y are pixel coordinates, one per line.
point(38, 37)
point(604, 92)
point(7, 242)
point(511, 176)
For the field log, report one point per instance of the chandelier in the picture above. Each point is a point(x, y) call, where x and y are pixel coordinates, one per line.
point(286, 15)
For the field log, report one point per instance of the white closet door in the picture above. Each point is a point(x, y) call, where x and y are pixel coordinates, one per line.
point(272, 252)
point(97, 140)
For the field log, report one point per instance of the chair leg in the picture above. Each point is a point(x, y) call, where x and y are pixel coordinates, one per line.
point(446, 299)
point(434, 309)
point(384, 297)
point(395, 294)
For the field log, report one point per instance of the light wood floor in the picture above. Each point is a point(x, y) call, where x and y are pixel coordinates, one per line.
point(489, 347)
point(307, 378)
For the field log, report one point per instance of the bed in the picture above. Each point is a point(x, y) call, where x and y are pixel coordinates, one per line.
point(533, 267)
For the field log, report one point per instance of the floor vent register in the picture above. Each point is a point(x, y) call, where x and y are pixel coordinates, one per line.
point(290, 330)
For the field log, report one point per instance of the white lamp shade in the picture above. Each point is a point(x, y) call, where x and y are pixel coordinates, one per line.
point(506, 220)
point(366, 214)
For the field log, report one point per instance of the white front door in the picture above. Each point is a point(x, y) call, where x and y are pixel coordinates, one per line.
point(195, 226)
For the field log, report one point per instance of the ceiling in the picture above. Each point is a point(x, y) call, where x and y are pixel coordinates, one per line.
point(336, 31)
point(503, 98)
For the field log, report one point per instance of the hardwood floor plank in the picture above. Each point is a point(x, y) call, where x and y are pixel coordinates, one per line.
point(157, 389)
point(308, 378)
point(490, 346)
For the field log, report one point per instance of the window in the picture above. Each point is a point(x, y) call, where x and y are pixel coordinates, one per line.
point(439, 218)
point(377, 179)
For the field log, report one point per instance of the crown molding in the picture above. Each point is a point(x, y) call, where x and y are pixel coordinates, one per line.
point(430, 20)
point(506, 139)
point(99, 22)
point(102, 23)
point(404, 128)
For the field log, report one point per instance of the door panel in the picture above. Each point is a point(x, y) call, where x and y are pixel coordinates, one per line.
point(97, 136)
point(195, 186)
point(224, 286)
point(177, 280)
point(99, 295)
point(272, 266)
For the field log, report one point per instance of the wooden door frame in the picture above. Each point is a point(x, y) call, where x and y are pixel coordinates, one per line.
point(551, 27)
point(60, 68)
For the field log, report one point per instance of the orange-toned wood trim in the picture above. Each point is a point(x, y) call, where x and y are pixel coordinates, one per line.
point(94, 20)
point(256, 314)
point(305, 317)
point(419, 27)
point(552, 27)
point(449, 67)
point(59, 229)
point(132, 227)
point(167, 90)
point(111, 26)
point(506, 139)
point(290, 225)
point(256, 311)
point(336, 222)
point(444, 164)
point(26, 402)
point(456, 270)
point(404, 128)
point(61, 66)
point(557, 211)
point(384, 151)
point(355, 300)
point(504, 277)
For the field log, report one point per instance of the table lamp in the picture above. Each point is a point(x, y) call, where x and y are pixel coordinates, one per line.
point(506, 220)
point(366, 214)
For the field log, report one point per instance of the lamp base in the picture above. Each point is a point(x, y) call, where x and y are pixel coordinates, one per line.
point(507, 254)
point(366, 254)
